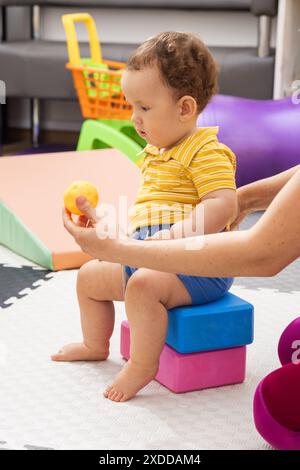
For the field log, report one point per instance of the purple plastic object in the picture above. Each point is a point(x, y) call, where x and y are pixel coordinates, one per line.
point(278, 436)
point(264, 134)
point(289, 343)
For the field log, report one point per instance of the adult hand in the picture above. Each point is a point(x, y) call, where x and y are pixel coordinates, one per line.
point(84, 230)
point(242, 211)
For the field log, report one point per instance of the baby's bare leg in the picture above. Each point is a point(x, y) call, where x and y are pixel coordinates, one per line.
point(98, 284)
point(149, 294)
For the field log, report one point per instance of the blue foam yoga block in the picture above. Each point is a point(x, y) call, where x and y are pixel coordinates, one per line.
point(225, 323)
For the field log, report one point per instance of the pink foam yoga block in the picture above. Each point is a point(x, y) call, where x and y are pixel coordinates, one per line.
point(194, 371)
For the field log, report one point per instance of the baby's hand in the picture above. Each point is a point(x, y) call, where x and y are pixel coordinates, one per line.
point(161, 235)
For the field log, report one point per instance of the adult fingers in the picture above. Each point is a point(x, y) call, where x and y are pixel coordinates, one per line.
point(235, 224)
point(85, 207)
point(83, 221)
point(68, 222)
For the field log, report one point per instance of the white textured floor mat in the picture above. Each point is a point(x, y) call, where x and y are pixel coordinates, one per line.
point(60, 405)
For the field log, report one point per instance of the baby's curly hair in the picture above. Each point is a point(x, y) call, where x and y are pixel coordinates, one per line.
point(186, 65)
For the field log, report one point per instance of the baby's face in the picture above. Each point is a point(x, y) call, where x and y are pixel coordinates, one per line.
point(156, 113)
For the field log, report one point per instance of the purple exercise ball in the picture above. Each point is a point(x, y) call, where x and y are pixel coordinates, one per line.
point(263, 134)
point(289, 343)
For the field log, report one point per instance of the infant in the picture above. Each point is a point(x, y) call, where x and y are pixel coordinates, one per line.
point(168, 81)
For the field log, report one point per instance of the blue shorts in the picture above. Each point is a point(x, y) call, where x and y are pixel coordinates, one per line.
point(201, 289)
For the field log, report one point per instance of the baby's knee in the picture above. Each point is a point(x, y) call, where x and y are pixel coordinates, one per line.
point(139, 283)
point(86, 273)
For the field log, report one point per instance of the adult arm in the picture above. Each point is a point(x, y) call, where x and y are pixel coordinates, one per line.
point(258, 196)
point(264, 250)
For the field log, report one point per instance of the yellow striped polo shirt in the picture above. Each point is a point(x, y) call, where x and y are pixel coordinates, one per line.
point(174, 181)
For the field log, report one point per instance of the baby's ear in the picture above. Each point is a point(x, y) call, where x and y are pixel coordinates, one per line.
point(188, 107)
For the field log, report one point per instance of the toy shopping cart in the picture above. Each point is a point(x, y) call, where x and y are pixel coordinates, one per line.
point(98, 86)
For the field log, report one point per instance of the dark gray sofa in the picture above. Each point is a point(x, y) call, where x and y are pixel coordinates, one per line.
point(245, 71)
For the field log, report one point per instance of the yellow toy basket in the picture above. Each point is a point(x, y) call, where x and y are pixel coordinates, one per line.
point(97, 81)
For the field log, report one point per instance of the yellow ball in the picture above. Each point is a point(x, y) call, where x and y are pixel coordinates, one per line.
point(80, 188)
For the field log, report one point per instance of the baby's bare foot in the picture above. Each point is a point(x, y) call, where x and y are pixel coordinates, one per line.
point(79, 352)
point(129, 381)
